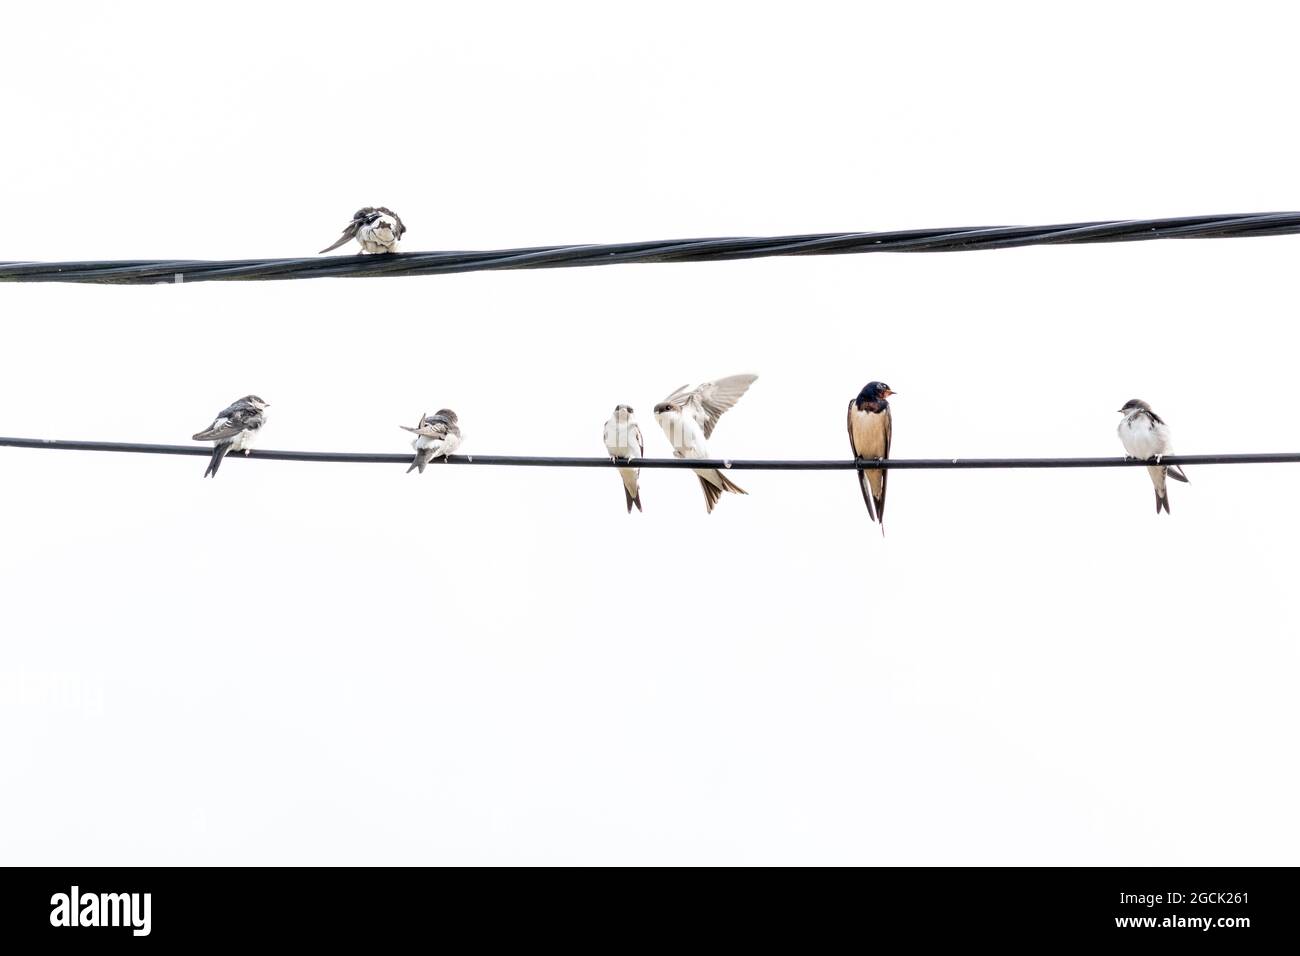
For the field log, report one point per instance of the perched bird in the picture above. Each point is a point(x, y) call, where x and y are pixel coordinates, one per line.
point(1146, 436)
point(234, 429)
point(623, 440)
point(377, 230)
point(437, 435)
point(871, 429)
point(688, 418)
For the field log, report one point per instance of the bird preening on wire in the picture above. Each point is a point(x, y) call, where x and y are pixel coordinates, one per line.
point(234, 429)
point(375, 228)
point(437, 436)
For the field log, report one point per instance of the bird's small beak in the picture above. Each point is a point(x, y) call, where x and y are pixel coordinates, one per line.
point(889, 391)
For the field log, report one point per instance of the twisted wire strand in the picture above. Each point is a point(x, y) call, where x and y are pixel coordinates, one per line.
point(960, 239)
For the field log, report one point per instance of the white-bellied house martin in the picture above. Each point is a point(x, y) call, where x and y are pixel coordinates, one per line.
point(623, 440)
point(688, 417)
point(1145, 435)
point(234, 429)
point(437, 436)
point(376, 229)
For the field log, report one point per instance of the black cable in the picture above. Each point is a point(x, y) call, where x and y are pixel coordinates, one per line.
point(736, 464)
point(146, 271)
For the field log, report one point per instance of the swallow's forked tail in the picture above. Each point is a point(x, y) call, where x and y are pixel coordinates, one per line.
point(1158, 476)
point(219, 451)
point(630, 490)
point(875, 505)
point(713, 492)
point(424, 456)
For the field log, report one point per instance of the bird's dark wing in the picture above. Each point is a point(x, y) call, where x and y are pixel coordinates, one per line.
point(236, 409)
point(239, 417)
point(433, 426)
point(349, 233)
point(884, 472)
point(219, 430)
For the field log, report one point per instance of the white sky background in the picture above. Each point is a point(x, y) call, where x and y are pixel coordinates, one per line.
point(301, 663)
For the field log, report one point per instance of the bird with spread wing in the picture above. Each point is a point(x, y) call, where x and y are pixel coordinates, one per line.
point(688, 417)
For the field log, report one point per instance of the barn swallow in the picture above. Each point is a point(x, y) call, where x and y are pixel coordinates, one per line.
point(437, 435)
point(377, 230)
point(688, 418)
point(623, 440)
point(1145, 435)
point(234, 429)
point(871, 430)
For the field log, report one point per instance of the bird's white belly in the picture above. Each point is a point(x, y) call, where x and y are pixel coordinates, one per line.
point(435, 446)
point(693, 443)
point(618, 441)
point(242, 441)
point(377, 237)
point(1140, 440)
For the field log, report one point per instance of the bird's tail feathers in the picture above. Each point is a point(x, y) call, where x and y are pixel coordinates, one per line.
point(866, 494)
point(421, 459)
point(713, 491)
point(711, 494)
point(630, 490)
point(1162, 501)
point(219, 452)
point(1176, 473)
point(729, 485)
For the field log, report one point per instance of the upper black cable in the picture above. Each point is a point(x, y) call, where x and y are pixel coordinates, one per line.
point(677, 250)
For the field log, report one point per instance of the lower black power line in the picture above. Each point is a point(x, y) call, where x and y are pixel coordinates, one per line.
point(736, 464)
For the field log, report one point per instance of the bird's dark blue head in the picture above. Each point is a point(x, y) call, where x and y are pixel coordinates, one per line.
point(875, 393)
